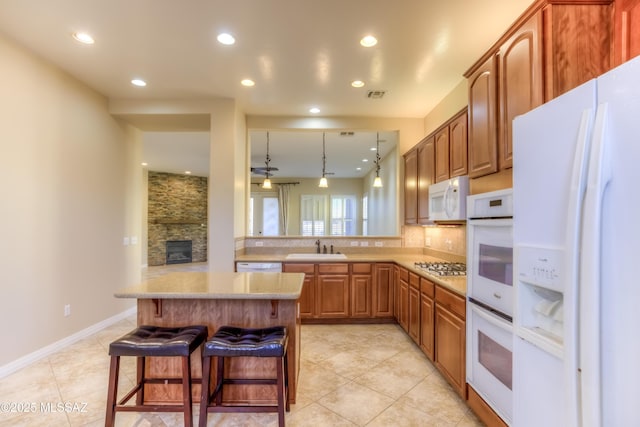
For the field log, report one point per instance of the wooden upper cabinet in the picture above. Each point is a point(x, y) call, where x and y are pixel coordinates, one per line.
point(578, 42)
point(426, 176)
point(626, 30)
point(520, 85)
point(554, 46)
point(458, 146)
point(442, 154)
point(411, 187)
point(483, 125)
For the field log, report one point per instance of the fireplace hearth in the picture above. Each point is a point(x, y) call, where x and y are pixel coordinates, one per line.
point(179, 251)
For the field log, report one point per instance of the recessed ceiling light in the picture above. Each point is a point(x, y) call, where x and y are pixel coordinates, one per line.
point(365, 160)
point(357, 83)
point(144, 164)
point(83, 37)
point(368, 41)
point(187, 172)
point(248, 82)
point(358, 169)
point(373, 149)
point(314, 110)
point(226, 38)
point(138, 82)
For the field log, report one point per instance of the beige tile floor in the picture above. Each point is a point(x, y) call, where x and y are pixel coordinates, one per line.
point(350, 375)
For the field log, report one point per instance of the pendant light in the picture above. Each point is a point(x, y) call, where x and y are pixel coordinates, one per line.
point(377, 182)
point(323, 181)
point(266, 184)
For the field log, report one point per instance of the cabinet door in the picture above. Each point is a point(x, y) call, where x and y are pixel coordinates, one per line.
point(427, 326)
point(483, 122)
point(414, 314)
point(520, 86)
point(626, 30)
point(383, 291)
point(426, 176)
point(360, 295)
point(403, 299)
point(458, 146)
point(333, 295)
point(307, 296)
point(442, 154)
point(450, 347)
point(411, 187)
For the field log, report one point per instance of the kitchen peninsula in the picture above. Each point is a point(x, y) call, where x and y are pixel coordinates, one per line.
point(214, 299)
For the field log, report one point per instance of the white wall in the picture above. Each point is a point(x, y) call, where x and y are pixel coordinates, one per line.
point(68, 200)
point(384, 216)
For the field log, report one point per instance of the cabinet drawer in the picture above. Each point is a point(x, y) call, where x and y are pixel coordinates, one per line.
point(414, 281)
point(333, 268)
point(361, 268)
point(452, 302)
point(403, 274)
point(427, 288)
point(298, 268)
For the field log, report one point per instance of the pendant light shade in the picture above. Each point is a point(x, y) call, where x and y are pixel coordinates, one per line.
point(323, 181)
point(377, 182)
point(266, 184)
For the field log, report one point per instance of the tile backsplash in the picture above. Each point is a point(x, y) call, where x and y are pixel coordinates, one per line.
point(446, 238)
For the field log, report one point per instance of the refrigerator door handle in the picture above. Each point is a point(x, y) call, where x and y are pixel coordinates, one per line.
point(574, 216)
point(590, 273)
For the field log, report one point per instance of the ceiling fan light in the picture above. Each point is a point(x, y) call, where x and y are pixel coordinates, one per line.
point(323, 183)
point(266, 184)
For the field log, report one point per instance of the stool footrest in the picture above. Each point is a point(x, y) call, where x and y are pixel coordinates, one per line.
point(243, 408)
point(259, 381)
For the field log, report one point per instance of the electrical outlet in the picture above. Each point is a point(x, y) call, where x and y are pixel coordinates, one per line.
point(125, 241)
point(378, 244)
point(259, 243)
point(134, 240)
point(364, 243)
point(449, 244)
point(427, 241)
point(354, 243)
point(67, 310)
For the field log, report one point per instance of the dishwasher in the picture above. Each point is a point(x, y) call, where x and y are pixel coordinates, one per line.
point(259, 267)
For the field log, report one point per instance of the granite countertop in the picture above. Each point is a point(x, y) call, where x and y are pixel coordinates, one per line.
point(218, 285)
point(457, 284)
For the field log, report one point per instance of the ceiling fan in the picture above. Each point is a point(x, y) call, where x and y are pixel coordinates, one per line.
point(262, 170)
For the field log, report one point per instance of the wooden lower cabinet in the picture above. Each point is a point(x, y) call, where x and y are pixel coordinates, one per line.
point(332, 287)
point(482, 409)
point(308, 296)
point(383, 292)
point(427, 306)
point(403, 298)
point(361, 290)
point(450, 336)
point(414, 307)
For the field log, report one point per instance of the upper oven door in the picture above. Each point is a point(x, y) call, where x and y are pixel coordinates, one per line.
point(490, 263)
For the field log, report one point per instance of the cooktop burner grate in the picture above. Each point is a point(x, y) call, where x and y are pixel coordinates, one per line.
point(443, 268)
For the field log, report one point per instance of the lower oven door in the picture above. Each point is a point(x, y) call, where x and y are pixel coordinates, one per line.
point(490, 359)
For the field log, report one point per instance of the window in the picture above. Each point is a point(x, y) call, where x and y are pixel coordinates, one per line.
point(343, 215)
point(312, 215)
point(365, 214)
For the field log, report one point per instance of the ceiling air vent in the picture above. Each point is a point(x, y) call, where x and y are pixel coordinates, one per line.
point(346, 133)
point(375, 94)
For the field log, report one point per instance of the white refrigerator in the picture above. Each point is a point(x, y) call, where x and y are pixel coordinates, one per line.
point(576, 195)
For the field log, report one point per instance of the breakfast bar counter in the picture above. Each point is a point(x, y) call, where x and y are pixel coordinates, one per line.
point(214, 299)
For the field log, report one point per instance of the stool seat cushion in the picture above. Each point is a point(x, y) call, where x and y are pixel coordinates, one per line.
point(159, 341)
point(229, 341)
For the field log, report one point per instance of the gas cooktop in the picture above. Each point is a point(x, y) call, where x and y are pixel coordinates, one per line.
point(443, 268)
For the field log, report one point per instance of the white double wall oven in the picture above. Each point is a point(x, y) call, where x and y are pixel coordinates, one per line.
point(491, 299)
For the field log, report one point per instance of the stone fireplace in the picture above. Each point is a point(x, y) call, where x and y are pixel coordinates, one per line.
point(177, 212)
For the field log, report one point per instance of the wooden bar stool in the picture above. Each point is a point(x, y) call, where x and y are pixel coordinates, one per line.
point(229, 341)
point(155, 341)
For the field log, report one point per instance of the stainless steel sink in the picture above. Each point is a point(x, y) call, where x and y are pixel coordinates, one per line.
point(312, 256)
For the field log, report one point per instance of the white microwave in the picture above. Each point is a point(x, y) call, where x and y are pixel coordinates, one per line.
point(448, 199)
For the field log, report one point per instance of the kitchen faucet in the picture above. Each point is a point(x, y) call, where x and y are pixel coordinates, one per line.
point(318, 246)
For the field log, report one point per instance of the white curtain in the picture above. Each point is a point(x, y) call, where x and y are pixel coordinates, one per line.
point(283, 199)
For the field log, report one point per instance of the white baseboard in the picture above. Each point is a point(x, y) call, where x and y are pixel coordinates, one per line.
point(30, 358)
